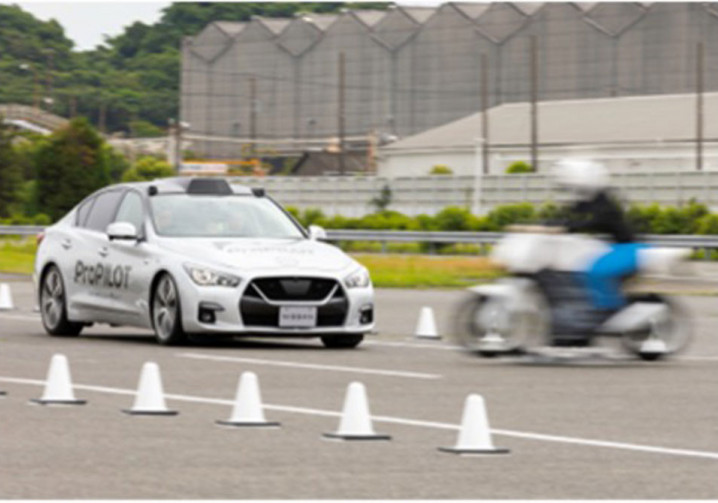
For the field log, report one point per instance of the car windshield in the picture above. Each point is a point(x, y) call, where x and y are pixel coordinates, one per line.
point(183, 215)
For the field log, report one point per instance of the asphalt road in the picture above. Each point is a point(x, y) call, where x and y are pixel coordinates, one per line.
point(611, 429)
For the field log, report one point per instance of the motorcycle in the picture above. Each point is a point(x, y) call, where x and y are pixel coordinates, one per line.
point(543, 301)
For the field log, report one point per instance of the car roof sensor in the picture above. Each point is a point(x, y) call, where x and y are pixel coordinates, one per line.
point(209, 186)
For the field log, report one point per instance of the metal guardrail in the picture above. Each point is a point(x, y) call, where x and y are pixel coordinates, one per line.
point(391, 236)
point(20, 230)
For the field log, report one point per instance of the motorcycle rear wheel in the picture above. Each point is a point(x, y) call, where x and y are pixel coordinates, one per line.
point(487, 326)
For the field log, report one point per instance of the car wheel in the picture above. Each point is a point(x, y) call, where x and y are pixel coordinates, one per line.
point(167, 312)
point(53, 306)
point(342, 341)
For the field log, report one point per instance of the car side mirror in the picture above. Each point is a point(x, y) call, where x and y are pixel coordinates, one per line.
point(122, 231)
point(317, 233)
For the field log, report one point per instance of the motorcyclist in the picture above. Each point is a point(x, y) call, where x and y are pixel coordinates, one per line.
point(594, 209)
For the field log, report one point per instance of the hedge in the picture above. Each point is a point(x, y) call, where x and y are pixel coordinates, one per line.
point(692, 218)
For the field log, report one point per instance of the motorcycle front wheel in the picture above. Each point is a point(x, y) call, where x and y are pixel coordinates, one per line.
point(667, 335)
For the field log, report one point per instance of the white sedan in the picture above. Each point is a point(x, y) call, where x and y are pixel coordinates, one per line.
point(198, 256)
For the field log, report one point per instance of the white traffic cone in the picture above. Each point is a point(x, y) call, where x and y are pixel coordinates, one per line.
point(247, 410)
point(58, 386)
point(150, 398)
point(426, 326)
point(5, 298)
point(355, 423)
point(475, 434)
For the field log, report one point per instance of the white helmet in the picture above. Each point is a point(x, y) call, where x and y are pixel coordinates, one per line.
point(586, 178)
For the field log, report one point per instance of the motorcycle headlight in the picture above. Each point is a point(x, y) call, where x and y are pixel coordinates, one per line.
point(358, 279)
point(204, 276)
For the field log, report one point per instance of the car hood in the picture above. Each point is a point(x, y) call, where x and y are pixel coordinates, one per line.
point(262, 254)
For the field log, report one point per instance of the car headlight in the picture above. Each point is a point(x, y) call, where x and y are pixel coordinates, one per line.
point(358, 279)
point(204, 276)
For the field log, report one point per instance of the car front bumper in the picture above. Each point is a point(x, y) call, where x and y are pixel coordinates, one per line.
point(220, 310)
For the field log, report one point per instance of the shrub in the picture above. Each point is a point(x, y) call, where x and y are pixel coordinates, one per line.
point(312, 216)
point(510, 214)
point(518, 167)
point(708, 224)
point(643, 218)
point(454, 218)
point(441, 169)
point(146, 169)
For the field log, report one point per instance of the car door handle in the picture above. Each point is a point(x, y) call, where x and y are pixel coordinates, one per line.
point(66, 244)
point(103, 251)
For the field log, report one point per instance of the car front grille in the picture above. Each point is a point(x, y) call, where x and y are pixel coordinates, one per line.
point(263, 297)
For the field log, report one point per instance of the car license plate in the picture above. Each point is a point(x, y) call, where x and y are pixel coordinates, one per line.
point(297, 317)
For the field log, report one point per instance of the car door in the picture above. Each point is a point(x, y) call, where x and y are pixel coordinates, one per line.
point(93, 296)
point(133, 262)
point(70, 256)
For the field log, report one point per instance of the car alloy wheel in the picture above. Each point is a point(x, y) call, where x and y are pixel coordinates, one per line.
point(53, 309)
point(166, 312)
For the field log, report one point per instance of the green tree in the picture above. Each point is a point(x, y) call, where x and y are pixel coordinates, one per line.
point(383, 200)
point(117, 164)
point(147, 168)
point(71, 165)
point(10, 172)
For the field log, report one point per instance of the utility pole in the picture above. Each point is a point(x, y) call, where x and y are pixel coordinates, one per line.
point(340, 112)
point(699, 106)
point(253, 114)
point(534, 98)
point(178, 146)
point(484, 113)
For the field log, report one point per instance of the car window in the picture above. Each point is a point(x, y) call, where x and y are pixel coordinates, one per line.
point(103, 210)
point(182, 215)
point(131, 210)
point(83, 211)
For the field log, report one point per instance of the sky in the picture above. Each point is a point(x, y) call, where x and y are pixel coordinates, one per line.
point(87, 22)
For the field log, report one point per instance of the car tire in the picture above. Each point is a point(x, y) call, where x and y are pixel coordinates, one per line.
point(348, 341)
point(167, 312)
point(53, 306)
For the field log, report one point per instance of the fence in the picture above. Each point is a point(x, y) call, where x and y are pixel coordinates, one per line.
point(352, 196)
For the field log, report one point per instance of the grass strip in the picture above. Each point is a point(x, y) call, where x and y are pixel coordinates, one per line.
point(17, 255)
point(426, 271)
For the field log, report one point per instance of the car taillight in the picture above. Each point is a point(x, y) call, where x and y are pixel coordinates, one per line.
point(40, 236)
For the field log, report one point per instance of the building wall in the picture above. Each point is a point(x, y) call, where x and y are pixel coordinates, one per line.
point(405, 75)
point(647, 157)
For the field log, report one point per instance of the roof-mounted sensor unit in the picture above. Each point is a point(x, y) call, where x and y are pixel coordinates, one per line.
point(209, 186)
point(258, 191)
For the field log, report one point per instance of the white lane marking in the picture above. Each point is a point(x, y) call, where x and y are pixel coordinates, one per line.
point(441, 346)
point(337, 368)
point(449, 347)
point(698, 358)
point(20, 317)
point(405, 422)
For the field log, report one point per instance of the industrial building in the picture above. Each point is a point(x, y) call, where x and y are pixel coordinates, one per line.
point(634, 133)
point(410, 69)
